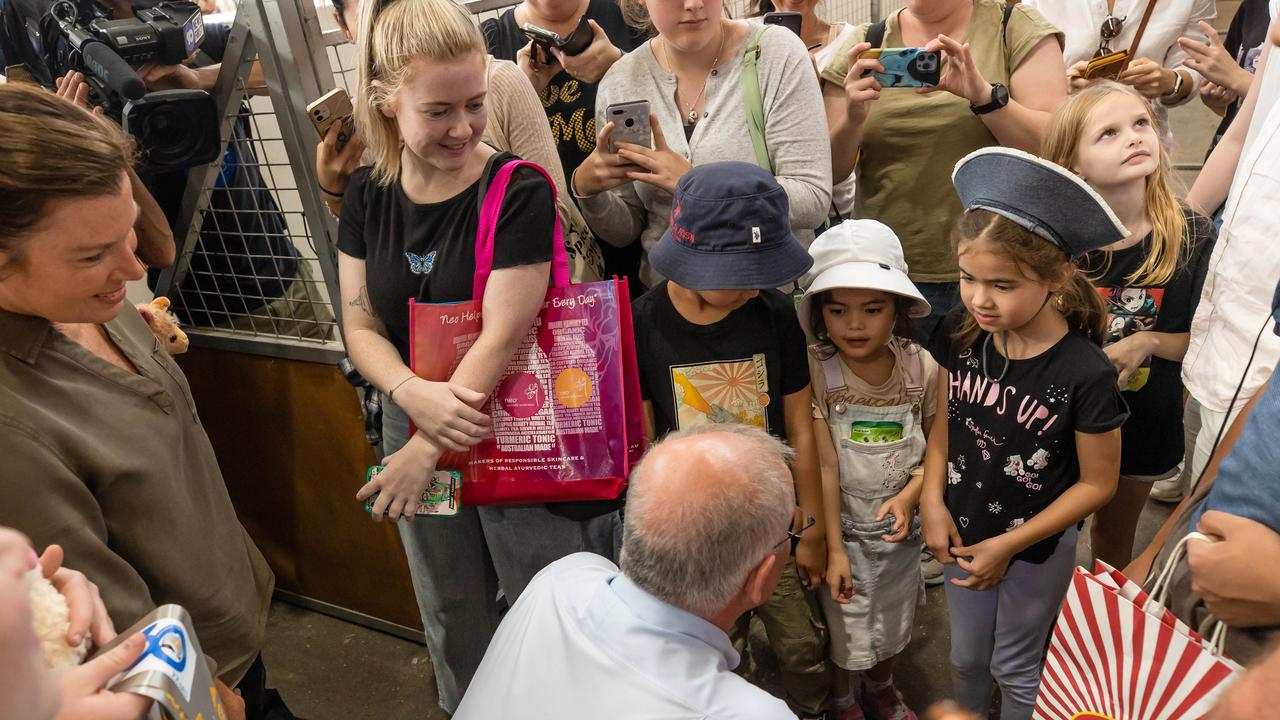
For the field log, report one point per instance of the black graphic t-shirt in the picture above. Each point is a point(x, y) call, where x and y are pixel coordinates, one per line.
point(1011, 448)
point(736, 370)
point(570, 104)
point(427, 252)
point(1152, 437)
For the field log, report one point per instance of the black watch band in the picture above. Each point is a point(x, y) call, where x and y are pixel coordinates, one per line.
point(999, 98)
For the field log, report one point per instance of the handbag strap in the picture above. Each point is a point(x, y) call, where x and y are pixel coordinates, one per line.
point(491, 196)
point(1142, 27)
point(752, 99)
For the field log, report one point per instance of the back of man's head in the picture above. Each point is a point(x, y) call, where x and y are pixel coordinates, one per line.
point(705, 507)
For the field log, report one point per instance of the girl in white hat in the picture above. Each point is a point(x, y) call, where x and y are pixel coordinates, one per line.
point(874, 400)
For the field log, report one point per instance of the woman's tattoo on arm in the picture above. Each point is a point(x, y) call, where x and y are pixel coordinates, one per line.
point(362, 302)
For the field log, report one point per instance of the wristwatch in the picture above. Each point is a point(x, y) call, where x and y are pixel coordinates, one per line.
point(999, 98)
point(1177, 86)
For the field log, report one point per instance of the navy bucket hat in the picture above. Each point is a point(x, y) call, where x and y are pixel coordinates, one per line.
point(729, 230)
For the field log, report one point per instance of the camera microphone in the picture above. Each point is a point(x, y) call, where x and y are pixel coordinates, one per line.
point(114, 72)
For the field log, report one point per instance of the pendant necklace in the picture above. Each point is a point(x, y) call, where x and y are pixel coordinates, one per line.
point(692, 114)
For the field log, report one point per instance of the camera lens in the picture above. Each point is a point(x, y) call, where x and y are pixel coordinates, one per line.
point(629, 122)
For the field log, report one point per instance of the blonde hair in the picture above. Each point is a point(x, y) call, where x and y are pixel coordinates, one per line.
point(1168, 220)
point(393, 35)
point(1077, 299)
point(51, 149)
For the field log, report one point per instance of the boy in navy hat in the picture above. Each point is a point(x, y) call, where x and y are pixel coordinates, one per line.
point(717, 343)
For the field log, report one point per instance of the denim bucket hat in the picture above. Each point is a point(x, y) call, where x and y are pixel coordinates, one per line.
point(1043, 197)
point(729, 230)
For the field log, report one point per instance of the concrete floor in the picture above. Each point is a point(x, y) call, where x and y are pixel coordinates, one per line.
point(327, 668)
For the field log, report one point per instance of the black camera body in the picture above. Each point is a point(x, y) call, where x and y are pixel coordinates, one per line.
point(166, 33)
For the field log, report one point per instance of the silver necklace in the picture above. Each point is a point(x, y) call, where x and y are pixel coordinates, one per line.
point(692, 113)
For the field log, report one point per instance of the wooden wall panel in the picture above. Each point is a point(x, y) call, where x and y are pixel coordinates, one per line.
point(290, 440)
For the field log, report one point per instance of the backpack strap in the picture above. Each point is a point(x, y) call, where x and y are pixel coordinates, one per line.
point(752, 99)
point(875, 33)
point(492, 194)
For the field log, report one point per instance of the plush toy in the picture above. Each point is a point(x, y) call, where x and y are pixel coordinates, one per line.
point(52, 617)
point(164, 325)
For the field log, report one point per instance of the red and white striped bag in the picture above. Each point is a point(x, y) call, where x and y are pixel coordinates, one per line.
point(1120, 654)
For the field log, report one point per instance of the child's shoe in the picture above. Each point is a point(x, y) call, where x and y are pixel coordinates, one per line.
point(853, 712)
point(887, 704)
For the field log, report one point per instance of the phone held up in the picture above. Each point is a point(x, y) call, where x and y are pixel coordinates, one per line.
point(333, 107)
point(789, 20)
point(906, 67)
point(630, 124)
point(575, 43)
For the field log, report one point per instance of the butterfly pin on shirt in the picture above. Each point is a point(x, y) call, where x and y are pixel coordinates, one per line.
point(421, 264)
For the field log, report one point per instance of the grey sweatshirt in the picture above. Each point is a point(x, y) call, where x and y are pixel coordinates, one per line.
point(795, 132)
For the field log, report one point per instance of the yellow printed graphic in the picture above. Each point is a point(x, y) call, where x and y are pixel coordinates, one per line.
point(721, 392)
point(1091, 716)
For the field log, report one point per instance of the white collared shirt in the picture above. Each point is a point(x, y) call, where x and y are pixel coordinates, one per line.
point(1081, 21)
point(1241, 278)
point(583, 641)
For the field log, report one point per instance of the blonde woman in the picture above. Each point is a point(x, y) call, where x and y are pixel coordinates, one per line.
point(1151, 280)
point(408, 231)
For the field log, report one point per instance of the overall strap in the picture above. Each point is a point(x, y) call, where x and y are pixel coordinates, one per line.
point(491, 197)
point(913, 369)
point(753, 99)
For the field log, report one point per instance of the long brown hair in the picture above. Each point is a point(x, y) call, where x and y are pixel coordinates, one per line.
point(1168, 222)
point(1077, 299)
point(51, 150)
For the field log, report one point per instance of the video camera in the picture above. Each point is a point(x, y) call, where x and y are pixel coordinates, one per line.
point(173, 128)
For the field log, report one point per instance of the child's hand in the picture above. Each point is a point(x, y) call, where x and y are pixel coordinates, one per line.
point(985, 562)
point(811, 560)
point(1128, 355)
point(406, 473)
point(839, 576)
point(903, 509)
point(940, 532)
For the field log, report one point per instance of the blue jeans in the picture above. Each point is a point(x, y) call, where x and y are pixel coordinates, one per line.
point(1000, 633)
point(944, 299)
point(460, 564)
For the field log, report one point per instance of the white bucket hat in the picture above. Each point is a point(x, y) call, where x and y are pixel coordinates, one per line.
point(860, 254)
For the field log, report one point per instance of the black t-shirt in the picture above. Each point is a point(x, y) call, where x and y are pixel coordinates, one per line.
point(570, 104)
point(427, 252)
point(736, 370)
point(1152, 437)
point(1011, 448)
point(1244, 40)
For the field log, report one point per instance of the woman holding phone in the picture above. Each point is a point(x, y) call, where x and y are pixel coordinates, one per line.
point(691, 73)
point(1002, 76)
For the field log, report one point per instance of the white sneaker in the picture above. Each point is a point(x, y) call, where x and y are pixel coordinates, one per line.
point(1169, 490)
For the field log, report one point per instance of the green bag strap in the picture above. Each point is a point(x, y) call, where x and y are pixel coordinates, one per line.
point(752, 100)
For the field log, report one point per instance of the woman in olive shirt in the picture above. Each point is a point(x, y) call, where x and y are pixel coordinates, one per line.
point(103, 450)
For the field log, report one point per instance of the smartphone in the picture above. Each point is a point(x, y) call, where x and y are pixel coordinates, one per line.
point(333, 107)
point(1107, 66)
point(630, 124)
point(789, 20)
point(442, 498)
point(906, 67)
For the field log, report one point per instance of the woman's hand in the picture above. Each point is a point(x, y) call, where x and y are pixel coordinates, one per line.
point(1216, 98)
point(591, 64)
point(444, 412)
point(811, 560)
point(903, 510)
point(87, 613)
point(538, 66)
point(859, 91)
point(985, 562)
point(603, 169)
point(659, 167)
point(1149, 78)
point(334, 166)
point(73, 87)
point(1215, 62)
point(1076, 78)
point(83, 687)
point(961, 77)
point(406, 473)
point(839, 575)
point(1128, 355)
point(940, 532)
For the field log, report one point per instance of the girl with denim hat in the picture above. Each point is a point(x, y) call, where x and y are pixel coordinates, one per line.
point(873, 408)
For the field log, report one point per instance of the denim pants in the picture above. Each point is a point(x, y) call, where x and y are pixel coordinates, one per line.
point(460, 564)
point(944, 299)
point(1000, 633)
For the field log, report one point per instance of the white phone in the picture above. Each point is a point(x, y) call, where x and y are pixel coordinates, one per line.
point(630, 124)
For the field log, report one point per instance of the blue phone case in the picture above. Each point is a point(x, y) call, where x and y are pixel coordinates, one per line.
point(909, 67)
